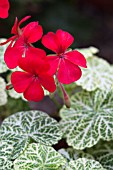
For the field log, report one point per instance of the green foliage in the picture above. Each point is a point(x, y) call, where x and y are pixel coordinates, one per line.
point(103, 152)
point(3, 95)
point(83, 160)
point(23, 127)
point(72, 154)
point(98, 75)
point(88, 52)
point(12, 93)
point(40, 157)
point(5, 156)
point(89, 119)
point(84, 164)
point(3, 67)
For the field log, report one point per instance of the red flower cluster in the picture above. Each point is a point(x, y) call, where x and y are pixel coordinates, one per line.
point(39, 69)
point(4, 7)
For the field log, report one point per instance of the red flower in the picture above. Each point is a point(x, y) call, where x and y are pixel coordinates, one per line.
point(65, 63)
point(35, 77)
point(24, 37)
point(16, 30)
point(17, 33)
point(4, 7)
point(16, 27)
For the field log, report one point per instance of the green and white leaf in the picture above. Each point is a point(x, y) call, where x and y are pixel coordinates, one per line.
point(3, 97)
point(89, 119)
point(3, 94)
point(103, 152)
point(2, 84)
point(73, 154)
point(88, 52)
point(21, 127)
point(97, 75)
point(3, 67)
point(39, 157)
point(12, 93)
point(5, 156)
point(84, 164)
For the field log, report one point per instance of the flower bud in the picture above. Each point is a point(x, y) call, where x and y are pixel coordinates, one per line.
point(65, 96)
point(9, 87)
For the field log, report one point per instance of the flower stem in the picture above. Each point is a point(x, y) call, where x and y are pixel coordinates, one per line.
point(65, 96)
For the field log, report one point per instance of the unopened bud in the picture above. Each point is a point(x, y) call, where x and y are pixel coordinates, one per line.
point(67, 101)
point(65, 96)
point(9, 87)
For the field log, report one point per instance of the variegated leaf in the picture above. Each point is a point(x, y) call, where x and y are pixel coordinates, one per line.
point(103, 152)
point(3, 97)
point(84, 164)
point(3, 67)
point(73, 154)
point(89, 120)
point(12, 93)
point(39, 157)
point(5, 156)
point(97, 75)
point(88, 52)
point(21, 127)
point(3, 94)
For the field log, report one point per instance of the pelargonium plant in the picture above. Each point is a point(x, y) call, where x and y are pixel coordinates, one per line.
point(32, 140)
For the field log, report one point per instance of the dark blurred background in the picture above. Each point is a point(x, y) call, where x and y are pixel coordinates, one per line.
point(89, 21)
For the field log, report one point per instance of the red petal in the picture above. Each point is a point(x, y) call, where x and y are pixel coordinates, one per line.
point(53, 61)
point(8, 40)
point(76, 58)
point(65, 39)
point(36, 53)
point(4, 7)
point(51, 42)
point(20, 42)
point(33, 32)
point(21, 46)
point(20, 81)
point(34, 92)
point(15, 26)
point(26, 49)
point(42, 66)
point(23, 20)
point(11, 57)
point(13, 53)
point(47, 82)
point(68, 72)
point(33, 60)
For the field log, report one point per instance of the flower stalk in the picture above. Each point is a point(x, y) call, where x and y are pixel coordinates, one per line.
point(66, 98)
